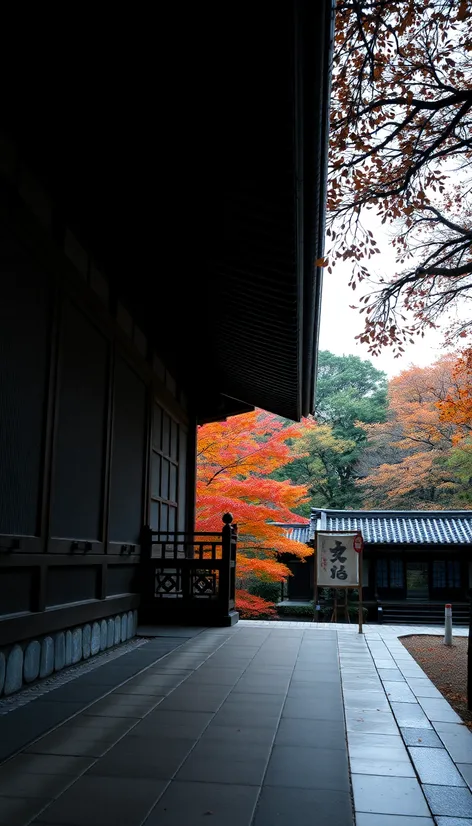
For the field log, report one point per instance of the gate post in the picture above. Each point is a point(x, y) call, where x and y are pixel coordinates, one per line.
point(225, 572)
point(232, 566)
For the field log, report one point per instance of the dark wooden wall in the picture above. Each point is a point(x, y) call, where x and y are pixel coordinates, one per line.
point(95, 439)
point(392, 583)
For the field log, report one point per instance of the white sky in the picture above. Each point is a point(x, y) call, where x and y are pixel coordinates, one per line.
point(340, 324)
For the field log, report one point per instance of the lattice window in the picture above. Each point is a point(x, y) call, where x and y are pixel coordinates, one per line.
point(454, 573)
point(390, 573)
point(396, 573)
point(164, 471)
point(382, 573)
point(439, 573)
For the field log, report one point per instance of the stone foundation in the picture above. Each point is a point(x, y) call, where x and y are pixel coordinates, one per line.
point(32, 660)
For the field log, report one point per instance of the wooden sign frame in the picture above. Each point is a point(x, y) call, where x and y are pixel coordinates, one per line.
point(341, 587)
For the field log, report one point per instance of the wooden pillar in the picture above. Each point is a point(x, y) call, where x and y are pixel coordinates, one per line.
point(191, 480)
point(146, 573)
point(225, 571)
point(232, 572)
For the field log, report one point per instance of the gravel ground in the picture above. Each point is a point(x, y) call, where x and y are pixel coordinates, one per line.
point(445, 666)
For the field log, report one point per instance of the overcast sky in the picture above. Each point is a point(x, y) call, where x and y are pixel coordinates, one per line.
point(340, 324)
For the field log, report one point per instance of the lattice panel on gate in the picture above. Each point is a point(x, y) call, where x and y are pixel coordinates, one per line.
point(204, 584)
point(168, 583)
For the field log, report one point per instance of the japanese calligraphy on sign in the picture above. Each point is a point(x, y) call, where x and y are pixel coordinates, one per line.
point(336, 560)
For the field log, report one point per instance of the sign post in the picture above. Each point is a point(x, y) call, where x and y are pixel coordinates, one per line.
point(339, 563)
point(359, 547)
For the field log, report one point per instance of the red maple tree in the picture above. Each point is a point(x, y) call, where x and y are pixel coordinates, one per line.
point(235, 460)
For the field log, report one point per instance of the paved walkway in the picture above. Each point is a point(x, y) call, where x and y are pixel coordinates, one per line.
point(247, 727)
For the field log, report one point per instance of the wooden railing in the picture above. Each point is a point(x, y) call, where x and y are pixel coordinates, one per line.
point(190, 577)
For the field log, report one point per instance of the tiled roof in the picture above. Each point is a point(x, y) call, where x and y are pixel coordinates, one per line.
point(392, 527)
point(399, 527)
point(300, 533)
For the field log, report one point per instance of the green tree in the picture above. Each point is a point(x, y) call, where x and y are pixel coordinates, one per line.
point(326, 469)
point(350, 392)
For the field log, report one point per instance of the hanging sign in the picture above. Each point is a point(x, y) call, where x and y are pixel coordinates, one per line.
point(337, 561)
point(358, 543)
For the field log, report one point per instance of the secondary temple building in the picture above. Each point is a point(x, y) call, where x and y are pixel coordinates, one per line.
point(413, 561)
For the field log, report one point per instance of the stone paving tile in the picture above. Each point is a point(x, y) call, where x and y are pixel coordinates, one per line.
point(409, 715)
point(427, 738)
point(434, 766)
point(399, 692)
point(47, 786)
point(366, 700)
point(377, 747)
point(192, 804)
point(307, 691)
point(240, 763)
point(245, 734)
point(296, 708)
point(466, 771)
point(423, 688)
point(450, 801)
point(305, 807)
point(44, 764)
point(314, 678)
point(103, 801)
point(386, 664)
point(151, 759)
point(60, 742)
point(261, 684)
point(123, 705)
point(375, 722)
point(414, 672)
point(187, 698)
point(16, 811)
point(177, 724)
point(308, 768)
point(457, 739)
point(234, 715)
point(391, 674)
point(315, 733)
point(439, 710)
point(389, 795)
point(259, 703)
point(386, 765)
point(207, 675)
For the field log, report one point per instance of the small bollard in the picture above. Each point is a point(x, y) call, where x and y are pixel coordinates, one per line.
point(448, 625)
point(380, 616)
point(318, 612)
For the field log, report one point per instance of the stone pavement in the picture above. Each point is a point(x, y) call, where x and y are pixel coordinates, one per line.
point(247, 727)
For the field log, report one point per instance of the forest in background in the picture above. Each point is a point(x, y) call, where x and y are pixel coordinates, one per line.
point(399, 444)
